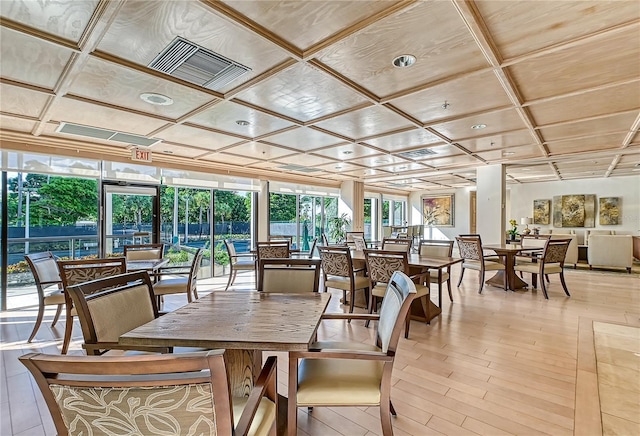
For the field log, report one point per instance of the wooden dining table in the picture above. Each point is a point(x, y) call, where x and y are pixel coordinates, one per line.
point(244, 324)
point(509, 251)
point(430, 263)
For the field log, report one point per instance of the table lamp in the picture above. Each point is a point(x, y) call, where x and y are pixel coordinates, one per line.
point(526, 222)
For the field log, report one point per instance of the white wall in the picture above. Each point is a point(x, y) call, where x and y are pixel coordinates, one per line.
point(627, 188)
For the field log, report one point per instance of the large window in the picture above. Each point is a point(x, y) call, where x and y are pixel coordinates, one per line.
point(283, 215)
point(385, 213)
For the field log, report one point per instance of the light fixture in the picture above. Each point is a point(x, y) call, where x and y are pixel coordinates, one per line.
point(404, 61)
point(478, 126)
point(156, 99)
point(242, 123)
point(445, 105)
point(347, 152)
point(525, 222)
point(167, 151)
point(508, 153)
point(381, 161)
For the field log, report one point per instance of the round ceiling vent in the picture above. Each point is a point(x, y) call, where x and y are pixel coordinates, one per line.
point(156, 99)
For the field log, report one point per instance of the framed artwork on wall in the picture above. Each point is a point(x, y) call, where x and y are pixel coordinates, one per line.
point(541, 211)
point(437, 211)
point(574, 211)
point(609, 211)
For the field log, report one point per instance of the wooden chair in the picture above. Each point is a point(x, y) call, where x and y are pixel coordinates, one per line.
point(359, 243)
point(471, 251)
point(144, 251)
point(344, 374)
point(112, 306)
point(238, 262)
point(289, 275)
point(152, 394)
point(280, 238)
point(438, 248)
point(381, 265)
point(181, 285)
point(325, 240)
point(487, 255)
point(349, 238)
point(75, 272)
point(339, 273)
point(528, 241)
point(396, 244)
point(308, 254)
point(49, 286)
point(551, 261)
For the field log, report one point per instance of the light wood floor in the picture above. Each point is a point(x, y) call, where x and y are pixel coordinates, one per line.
point(492, 364)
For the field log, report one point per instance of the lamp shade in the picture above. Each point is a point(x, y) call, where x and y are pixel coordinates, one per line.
point(526, 221)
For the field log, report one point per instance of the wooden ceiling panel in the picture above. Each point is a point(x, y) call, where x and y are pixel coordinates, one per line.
point(589, 104)
point(339, 167)
point(405, 140)
point(225, 114)
point(496, 122)
point(79, 112)
point(232, 159)
point(258, 150)
point(307, 160)
point(473, 93)
point(198, 137)
point(431, 31)
point(64, 18)
point(404, 167)
point(303, 139)
point(365, 122)
point(594, 63)
point(307, 23)
point(440, 151)
point(520, 27)
point(452, 161)
point(498, 141)
point(16, 124)
point(20, 101)
point(143, 29)
point(581, 166)
point(32, 61)
point(612, 141)
point(610, 124)
point(303, 93)
point(119, 86)
point(172, 149)
point(510, 153)
point(347, 151)
point(379, 161)
point(530, 172)
point(365, 173)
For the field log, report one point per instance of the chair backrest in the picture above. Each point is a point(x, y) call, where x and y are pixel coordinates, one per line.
point(273, 250)
point(336, 261)
point(188, 392)
point(394, 310)
point(534, 240)
point(144, 251)
point(195, 267)
point(436, 248)
point(289, 276)
point(111, 306)
point(44, 268)
point(231, 250)
point(312, 249)
point(382, 264)
point(280, 238)
point(359, 242)
point(396, 244)
point(349, 236)
point(470, 247)
point(325, 240)
point(555, 251)
point(74, 272)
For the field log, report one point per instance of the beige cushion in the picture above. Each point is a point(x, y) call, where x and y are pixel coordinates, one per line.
point(329, 345)
point(327, 382)
point(433, 277)
point(244, 264)
point(534, 268)
point(264, 418)
point(476, 264)
point(380, 290)
point(171, 286)
point(338, 282)
point(54, 298)
point(288, 280)
point(154, 253)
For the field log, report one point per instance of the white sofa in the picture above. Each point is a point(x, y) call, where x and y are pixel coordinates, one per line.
point(610, 251)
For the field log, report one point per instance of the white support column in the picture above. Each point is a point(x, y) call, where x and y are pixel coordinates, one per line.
point(351, 202)
point(491, 203)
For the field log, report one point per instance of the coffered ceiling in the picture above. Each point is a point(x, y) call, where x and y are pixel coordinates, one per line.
point(554, 86)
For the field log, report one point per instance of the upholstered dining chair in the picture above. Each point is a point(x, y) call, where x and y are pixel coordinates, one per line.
point(349, 238)
point(238, 262)
point(144, 251)
point(48, 284)
point(473, 258)
point(488, 254)
point(74, 272)
point(396, 244)
point(381, 265)
point(112, 306)
point(339, 273)
point(180, 284)
point(359, 243)
point(551, 261)
point(152, 394)
point(286, 276)
point(353, 374)
point(438, 248)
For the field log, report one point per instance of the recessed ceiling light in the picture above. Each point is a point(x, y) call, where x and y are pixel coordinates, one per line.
point(402, 168)
point(156, 99)
point(381, 161)
point(338, 167)
point(347, 152)
point(404, 61)
point(478, 126)
point(167, 151)
point(242, 123)
point(508, 153)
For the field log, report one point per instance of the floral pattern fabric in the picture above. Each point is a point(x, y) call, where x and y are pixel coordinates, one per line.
point(336, 264)
point(469, 249)
point(381, 268)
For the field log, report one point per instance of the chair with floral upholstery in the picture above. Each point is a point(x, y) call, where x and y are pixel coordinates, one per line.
point(152, 394)
point(473, 258)
point(551, 261)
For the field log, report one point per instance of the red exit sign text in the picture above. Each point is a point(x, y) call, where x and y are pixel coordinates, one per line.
point(143, 155)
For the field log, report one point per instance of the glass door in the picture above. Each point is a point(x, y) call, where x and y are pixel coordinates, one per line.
point(129, 216)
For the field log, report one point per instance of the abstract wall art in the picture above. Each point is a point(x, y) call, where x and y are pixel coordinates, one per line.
point(574, 211)
point(437, 211)
point(609, 211)
point(541, 211)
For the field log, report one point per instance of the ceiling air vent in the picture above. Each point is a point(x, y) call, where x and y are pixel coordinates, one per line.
point(298, 168)
point(417, 154)
point(188, 61)
point(111, 135)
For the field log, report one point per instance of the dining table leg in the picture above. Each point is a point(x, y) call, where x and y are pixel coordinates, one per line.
point(514, 283)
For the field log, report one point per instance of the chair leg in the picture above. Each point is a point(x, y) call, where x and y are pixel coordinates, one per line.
point(292, 405)
point(38, 321)
point(547, 277)
point(424, 301)
point(449, 289)
point(564, 285)
point(407, 322)
point(372, 301)
point(57, 315)
point(232, 278)
point(351, 303)
point(392, 409)
point(385, 417)
point(461, 275)
point(544, 288)
point(481, 281)
point(68, 327)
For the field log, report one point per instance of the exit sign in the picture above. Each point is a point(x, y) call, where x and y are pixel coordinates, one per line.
point(143, 155)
